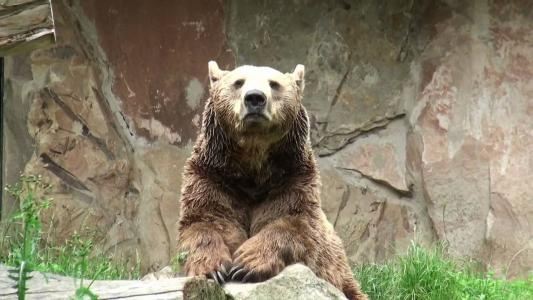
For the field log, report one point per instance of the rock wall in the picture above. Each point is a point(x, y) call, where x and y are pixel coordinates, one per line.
point(422, 117)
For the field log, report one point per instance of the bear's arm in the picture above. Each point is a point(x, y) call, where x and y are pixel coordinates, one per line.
point(209, 230)
point(284, 230)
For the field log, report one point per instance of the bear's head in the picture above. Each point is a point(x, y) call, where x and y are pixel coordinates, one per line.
point(255, 105)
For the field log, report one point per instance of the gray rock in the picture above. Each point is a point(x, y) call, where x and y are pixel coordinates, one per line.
point(294, 283)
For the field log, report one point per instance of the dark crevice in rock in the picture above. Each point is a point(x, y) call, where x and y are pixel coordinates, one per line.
point(323, 149)
point(75, 117)
point(382, 183)
point(342, 205)
point(167, 231)
point(127, 124)
point(366, 233)
point(336, 96)
point(381, 212)
point(427, 203)
point(404, 48)
point(63, 174)
point(111, 120)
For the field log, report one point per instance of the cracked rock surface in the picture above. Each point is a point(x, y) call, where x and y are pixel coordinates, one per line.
point(294, 283)
point(422, 117)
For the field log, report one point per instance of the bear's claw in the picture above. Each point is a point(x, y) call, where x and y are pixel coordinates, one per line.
point(219, 276)
point(250, 277)
point(241, 274)
point(237, 273)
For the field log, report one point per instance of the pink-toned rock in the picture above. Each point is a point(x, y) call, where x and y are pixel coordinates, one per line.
point(373, 223)
point(474, 120)
point(159, 56)
point(421, 115)
point(379, 156)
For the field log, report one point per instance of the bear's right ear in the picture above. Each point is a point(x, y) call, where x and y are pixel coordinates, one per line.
point(298, 75)
point(214, 72)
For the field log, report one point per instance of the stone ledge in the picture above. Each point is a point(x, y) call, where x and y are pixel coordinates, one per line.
point(294, 283)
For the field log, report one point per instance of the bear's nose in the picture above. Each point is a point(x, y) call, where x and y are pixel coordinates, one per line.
point(254, 99)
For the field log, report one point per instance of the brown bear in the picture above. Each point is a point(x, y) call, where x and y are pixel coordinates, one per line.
point(250, 201)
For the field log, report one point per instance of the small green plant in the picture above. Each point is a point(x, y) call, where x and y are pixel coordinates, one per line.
point(178, 261)
point(81, 250)
point(429, 274)
point(26, 192)
point(83, 293)
point(24, 245)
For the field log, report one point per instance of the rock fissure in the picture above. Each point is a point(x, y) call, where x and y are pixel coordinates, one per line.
point(382, 183)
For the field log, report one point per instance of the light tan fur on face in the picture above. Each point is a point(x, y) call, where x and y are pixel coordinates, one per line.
point(283, 102)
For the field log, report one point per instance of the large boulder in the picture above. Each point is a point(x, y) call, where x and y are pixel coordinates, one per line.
point(296, 282)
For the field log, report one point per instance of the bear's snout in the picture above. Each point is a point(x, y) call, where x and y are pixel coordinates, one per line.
point(255, 101)
point(255, 107)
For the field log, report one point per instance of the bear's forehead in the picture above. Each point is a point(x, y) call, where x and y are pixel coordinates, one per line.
point(248, 71)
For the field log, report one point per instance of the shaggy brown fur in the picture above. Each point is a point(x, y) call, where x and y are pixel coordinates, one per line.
point(250, 196)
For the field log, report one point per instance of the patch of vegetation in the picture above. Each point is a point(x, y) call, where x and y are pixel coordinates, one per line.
point(26, 247)
point(429, 274)
point(178, 261)
point(419, 274)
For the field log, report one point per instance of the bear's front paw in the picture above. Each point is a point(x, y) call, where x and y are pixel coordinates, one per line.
point(212, 266)
point(254, 263)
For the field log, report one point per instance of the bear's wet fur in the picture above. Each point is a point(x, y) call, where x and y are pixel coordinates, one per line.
point(250, 201)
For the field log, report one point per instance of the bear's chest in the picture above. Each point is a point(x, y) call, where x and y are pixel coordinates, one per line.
point(255, 188)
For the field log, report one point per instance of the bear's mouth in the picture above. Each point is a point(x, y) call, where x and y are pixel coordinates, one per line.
point(255, 118)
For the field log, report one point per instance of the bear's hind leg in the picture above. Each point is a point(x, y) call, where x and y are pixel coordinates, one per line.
point(352, 290)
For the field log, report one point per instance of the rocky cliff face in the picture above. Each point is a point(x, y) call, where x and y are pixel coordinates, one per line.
point(422, 117)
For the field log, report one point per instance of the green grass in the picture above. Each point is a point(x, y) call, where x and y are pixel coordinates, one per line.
point(429, 274)
point(419, 274)
point(77, 257)
point(24, 241)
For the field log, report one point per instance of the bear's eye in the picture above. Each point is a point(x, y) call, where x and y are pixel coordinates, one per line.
point(274, 85)
point(238, 83)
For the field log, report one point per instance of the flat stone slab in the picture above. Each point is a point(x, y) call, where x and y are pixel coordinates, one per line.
point(295, 282)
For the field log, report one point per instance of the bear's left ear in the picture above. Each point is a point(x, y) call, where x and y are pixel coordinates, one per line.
point(214, 72)
point(298, 75)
